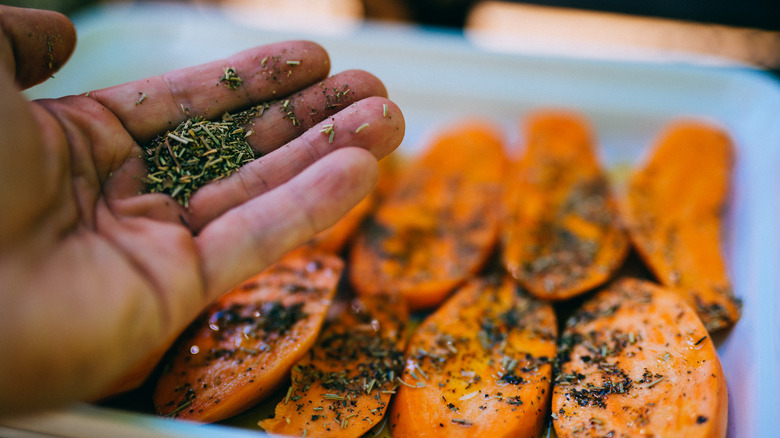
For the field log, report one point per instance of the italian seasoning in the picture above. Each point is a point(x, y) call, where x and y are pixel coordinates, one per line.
point(198, 152)
point(230, 78)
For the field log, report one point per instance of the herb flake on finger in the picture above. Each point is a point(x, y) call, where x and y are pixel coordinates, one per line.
point(230, 78)
point(330, 130)
point(289, 113)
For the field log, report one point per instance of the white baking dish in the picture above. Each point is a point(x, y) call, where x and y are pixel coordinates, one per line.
point(438, 77)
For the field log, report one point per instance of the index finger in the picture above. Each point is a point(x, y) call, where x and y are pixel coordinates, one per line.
point(150, 106)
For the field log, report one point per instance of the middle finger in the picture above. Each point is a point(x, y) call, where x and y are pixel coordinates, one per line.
point(284, 120)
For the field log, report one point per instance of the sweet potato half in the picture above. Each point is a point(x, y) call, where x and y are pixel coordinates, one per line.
point(635, 360)
point(438, 225)
point(562, 235)
point(342, 387)
point(242, 348)
point(480, 365)
point(673, 208)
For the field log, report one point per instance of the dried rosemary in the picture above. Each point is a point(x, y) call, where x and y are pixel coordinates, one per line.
point(198, 152)
point(230, 78)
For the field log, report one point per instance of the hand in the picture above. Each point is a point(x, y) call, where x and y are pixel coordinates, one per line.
point(95, 275)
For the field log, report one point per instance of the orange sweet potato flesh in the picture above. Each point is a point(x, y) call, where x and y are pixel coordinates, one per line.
point(635, 360)
point(562, 235)
point(673, 208)
point(342, 387)
point(480, 365)
point(438, 225)
point(243, 347)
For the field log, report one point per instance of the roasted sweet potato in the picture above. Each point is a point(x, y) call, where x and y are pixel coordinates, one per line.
point(480, 365)
point(243, 347)
point(561, 235)
point(440, 222)
point(342, 387)
point(635, 360)
point(673, 208)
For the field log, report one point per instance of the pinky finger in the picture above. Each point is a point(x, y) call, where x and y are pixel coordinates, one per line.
point(245, 240)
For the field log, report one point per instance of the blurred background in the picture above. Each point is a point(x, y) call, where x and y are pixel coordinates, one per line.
point(761, 14)
point(746, 31)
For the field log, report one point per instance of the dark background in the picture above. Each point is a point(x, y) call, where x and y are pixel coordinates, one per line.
point(762, 14)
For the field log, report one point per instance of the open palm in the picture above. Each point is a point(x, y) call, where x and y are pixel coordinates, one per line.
point(97, 277)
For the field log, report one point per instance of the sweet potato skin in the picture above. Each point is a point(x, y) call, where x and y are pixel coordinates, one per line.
point(342, 387)
point(635, 360)
point(439, 224)
point(480, 365)
point(562, 235)
point(243, 347)
point(673, 208)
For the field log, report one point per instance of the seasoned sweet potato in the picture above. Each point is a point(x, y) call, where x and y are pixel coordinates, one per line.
point(561, 235)
point(439, 224)
point(673, 208)
point(243, 347)
point(635, 360)
point(342, 387)
point(480, 365)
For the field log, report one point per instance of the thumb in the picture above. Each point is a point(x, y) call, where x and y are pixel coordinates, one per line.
point(34, 44)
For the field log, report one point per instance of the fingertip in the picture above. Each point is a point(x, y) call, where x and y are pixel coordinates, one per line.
point(313, 56)
point(390, 125)
point(362, 164)
point(363, 83)
point(391, 111)
point(317, 50)
point(42, 42)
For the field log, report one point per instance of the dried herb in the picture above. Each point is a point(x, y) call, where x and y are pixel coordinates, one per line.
point(50, 40)
point(230, 78)
point(330, 130)
point(339, 96)
point(198, 152)
point(346, 380)
point(250, 319)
